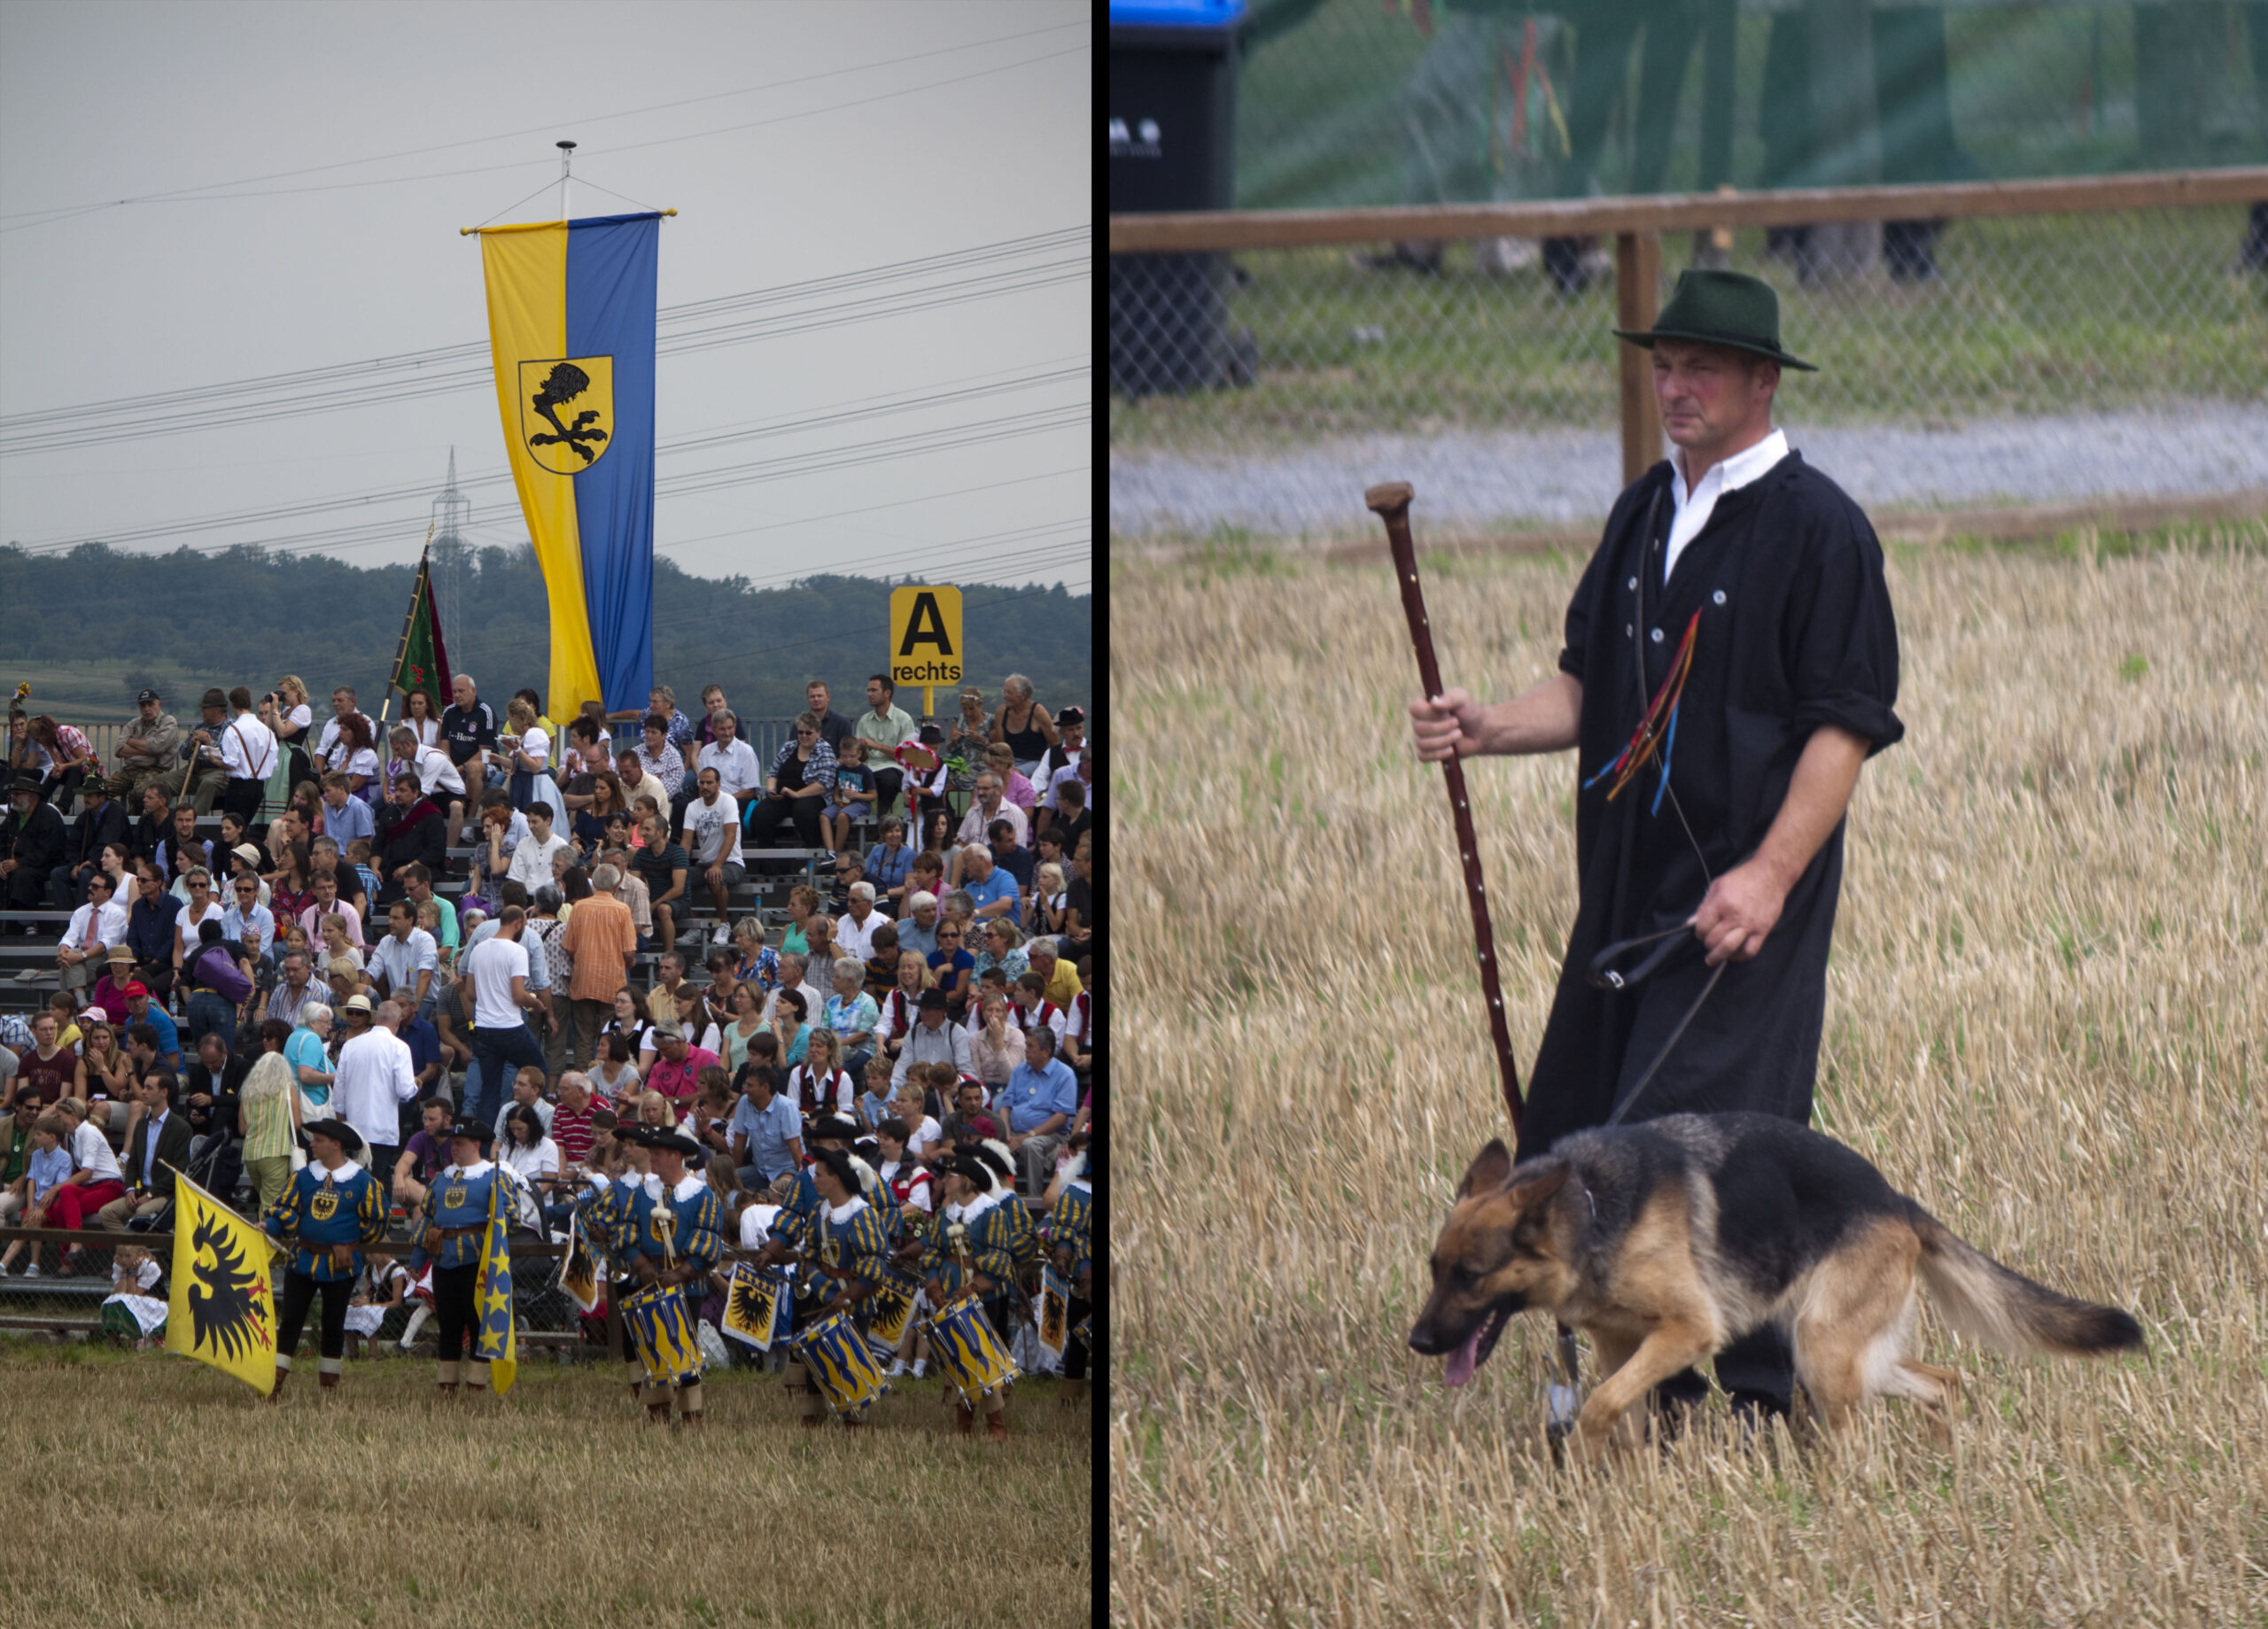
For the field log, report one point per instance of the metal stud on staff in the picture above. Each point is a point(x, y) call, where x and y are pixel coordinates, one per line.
point(1390, 500)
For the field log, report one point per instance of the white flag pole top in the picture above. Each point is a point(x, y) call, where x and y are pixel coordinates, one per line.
point(566, 162)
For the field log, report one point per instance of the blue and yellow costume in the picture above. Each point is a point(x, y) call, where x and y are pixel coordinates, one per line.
point(319, 1209)
point(681, 1227)
point(1069, 1228)
point(450, 1227)
point(847, 1246)
point(607, 1223)
point(965, 1240)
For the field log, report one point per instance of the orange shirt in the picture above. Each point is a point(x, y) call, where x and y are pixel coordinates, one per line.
point(599, 934)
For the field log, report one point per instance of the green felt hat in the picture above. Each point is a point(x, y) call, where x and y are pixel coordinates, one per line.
point(1720, 308)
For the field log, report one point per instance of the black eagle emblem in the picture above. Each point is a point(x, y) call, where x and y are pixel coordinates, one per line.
point(220, 1297)
point(565, 383)
point(747, 1310)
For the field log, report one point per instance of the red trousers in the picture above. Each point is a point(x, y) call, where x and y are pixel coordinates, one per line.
point(74, 1202)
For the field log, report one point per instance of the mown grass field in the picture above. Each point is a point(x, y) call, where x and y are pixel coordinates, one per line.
point(147, 1490)
point(2048, 1022)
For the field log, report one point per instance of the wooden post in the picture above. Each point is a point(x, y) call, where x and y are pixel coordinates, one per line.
point(1637, 277)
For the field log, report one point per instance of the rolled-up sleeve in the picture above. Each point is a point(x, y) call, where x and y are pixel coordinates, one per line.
point(1841, 638)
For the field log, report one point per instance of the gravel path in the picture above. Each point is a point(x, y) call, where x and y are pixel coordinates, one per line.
point(1560, 477)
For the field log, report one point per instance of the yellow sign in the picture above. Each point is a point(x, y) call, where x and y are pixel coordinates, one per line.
point(925, 645)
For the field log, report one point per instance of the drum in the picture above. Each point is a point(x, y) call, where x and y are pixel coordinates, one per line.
point(663, 1333)
point(969, 1350)
point(841, 1366)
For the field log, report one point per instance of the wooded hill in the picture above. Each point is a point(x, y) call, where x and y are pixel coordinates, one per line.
point(90, 627)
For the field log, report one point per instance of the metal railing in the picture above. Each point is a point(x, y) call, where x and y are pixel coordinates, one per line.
point(1987, 343)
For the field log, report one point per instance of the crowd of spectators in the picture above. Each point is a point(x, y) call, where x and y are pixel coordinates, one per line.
point(459, 914)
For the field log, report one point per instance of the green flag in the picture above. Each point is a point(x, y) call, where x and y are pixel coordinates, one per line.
point(425, 663)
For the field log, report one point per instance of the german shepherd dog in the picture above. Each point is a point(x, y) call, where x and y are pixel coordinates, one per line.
point(1669, 1239)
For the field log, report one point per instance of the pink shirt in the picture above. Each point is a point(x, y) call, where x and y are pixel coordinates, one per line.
point(677, 1082)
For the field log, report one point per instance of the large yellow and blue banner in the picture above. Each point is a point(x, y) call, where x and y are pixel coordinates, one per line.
point(571, 327)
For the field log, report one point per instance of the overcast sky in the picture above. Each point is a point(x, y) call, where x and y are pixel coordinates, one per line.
point(101, 100)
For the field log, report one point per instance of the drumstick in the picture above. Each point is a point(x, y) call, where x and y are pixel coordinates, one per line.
point(1391, 501)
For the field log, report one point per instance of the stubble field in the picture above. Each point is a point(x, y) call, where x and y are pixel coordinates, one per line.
point(2047, 1020)
point(146, 1490)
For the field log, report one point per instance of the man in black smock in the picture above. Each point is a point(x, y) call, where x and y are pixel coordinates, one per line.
point(1787, 688)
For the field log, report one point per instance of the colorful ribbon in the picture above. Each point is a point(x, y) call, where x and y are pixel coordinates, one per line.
point(1657, 729)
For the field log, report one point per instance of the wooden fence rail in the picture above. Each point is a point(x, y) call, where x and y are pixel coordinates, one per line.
point(1637, 223)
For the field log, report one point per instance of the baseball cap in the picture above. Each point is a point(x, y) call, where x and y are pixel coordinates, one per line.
point(148, 695)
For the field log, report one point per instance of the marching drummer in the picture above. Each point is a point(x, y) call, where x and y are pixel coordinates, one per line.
point(330, 1206)
point(452, 1220)
point(1025, 1249)
point(969, 1252)
point(672, 1238)
point(853, 1246)
point(608, 1224)
point(794, 1239)
point(1069, 1236)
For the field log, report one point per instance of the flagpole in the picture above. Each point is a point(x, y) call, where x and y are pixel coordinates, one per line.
point(409, 617)
point(566, 163)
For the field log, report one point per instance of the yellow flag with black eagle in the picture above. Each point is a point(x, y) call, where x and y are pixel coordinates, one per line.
point(223, 1310)
point(492, 1295)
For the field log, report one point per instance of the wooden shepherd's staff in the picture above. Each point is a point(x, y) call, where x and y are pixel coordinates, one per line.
point(1392, 502)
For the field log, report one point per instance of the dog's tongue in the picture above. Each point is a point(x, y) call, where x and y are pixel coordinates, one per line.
point(1464, 1360)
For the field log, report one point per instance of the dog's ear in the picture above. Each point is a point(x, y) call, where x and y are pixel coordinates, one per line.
point(1487, 1171)
point(1533, 1192)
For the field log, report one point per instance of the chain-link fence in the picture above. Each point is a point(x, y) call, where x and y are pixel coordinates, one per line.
point(2036, 360)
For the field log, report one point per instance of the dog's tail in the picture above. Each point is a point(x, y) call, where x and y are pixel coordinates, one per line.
point(2005, 1310)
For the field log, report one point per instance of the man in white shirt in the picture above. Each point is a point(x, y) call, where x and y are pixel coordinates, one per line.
point(531, 866)
point(495, 988)
point(733, 758)
point(374, 1079)
point(880, 731)
point(407, 959)
point(713, 829)
point(342, 706)
point(245, 748)
point(794, 964)
point(854, 929)
point(95, 927)
point(433, 768)
point(933, 1040)
point(991, 806)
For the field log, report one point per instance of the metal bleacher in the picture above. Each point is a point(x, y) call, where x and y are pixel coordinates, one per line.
point(763, 895)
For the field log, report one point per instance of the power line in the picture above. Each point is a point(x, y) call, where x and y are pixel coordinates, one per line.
point(983, 285)
point(969, 432)
point(882, 450)
point(186, 194)
point(421, 490)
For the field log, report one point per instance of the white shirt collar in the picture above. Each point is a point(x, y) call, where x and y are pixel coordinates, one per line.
point(1731, 474)
point(687, 1187)
point(344, 1172)
point(469, 1171)
point(1694, 506)
point(846, 1210)
point(976, 1207)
